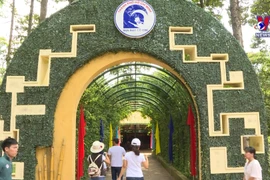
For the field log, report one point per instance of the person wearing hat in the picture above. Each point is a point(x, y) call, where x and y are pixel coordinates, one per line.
point(99, 158)
point(133, 162)
point(116, 154)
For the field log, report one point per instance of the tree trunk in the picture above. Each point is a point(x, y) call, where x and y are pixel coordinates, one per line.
point(8, 57)
point(70, 1)
point(201, 4)
point(236, 21)
point(43, 10)
point(30, 22)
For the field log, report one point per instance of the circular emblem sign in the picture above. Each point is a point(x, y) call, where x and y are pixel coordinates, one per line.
point(135, 19)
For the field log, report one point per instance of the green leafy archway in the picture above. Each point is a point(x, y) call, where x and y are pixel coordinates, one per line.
point(147, 88)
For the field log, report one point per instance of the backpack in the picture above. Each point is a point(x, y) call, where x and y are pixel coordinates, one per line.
point(93, 169)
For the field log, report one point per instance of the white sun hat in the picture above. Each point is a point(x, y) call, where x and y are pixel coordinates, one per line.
point(136, 142)
point(97, 147)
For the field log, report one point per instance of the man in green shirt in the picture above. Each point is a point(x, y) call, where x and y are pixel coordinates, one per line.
point(10, 148)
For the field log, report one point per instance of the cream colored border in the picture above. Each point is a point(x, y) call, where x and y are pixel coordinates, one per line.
point(19, 170)
point(219, 163)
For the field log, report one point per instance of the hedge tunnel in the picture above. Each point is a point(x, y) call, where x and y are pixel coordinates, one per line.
point(140, 83)
point(149, 89)
point(196, 61)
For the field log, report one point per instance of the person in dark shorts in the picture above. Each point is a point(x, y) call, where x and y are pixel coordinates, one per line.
point(116, 154)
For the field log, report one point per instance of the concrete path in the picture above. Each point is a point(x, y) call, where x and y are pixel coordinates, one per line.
point(155, 171)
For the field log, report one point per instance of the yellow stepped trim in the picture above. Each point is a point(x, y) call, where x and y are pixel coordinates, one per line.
point(235, 82)
point(219, 163)
point(16, 84)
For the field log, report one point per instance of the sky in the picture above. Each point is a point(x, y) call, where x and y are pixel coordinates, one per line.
point(23, 9)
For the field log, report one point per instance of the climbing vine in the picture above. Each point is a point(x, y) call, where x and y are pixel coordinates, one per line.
point(97, 107)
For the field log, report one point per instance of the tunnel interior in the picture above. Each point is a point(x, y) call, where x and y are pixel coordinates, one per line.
point(148, 90)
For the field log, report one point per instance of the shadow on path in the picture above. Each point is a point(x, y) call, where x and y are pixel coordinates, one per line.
point(155, 171)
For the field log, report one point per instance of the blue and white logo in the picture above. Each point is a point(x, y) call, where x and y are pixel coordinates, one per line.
point(135, 19)
point(261, 26)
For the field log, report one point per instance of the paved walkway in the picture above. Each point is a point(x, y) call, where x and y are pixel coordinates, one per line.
point(154, 172)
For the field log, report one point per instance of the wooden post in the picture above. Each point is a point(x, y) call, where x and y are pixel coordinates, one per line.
point(61, 161)
point(45, 167)
point(52, 164)
point(39, 173)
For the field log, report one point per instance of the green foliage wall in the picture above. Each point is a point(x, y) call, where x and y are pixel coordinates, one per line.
point(177, 103)
point(181, 139)
point(209, 36)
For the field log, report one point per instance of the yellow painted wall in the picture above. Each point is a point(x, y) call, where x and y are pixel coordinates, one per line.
point(43, 168)
point(135, 118)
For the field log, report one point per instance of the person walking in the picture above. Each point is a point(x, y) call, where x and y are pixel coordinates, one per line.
point(133, 161)
point(116, 154)
point(253, 170)
point(10, 147)
point(96, 161)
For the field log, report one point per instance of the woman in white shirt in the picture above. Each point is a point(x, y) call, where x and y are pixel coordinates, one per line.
point(253, 170)
point(133, 162)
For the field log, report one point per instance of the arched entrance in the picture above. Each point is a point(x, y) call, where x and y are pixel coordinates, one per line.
point(38, 94)
point(65, 115)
